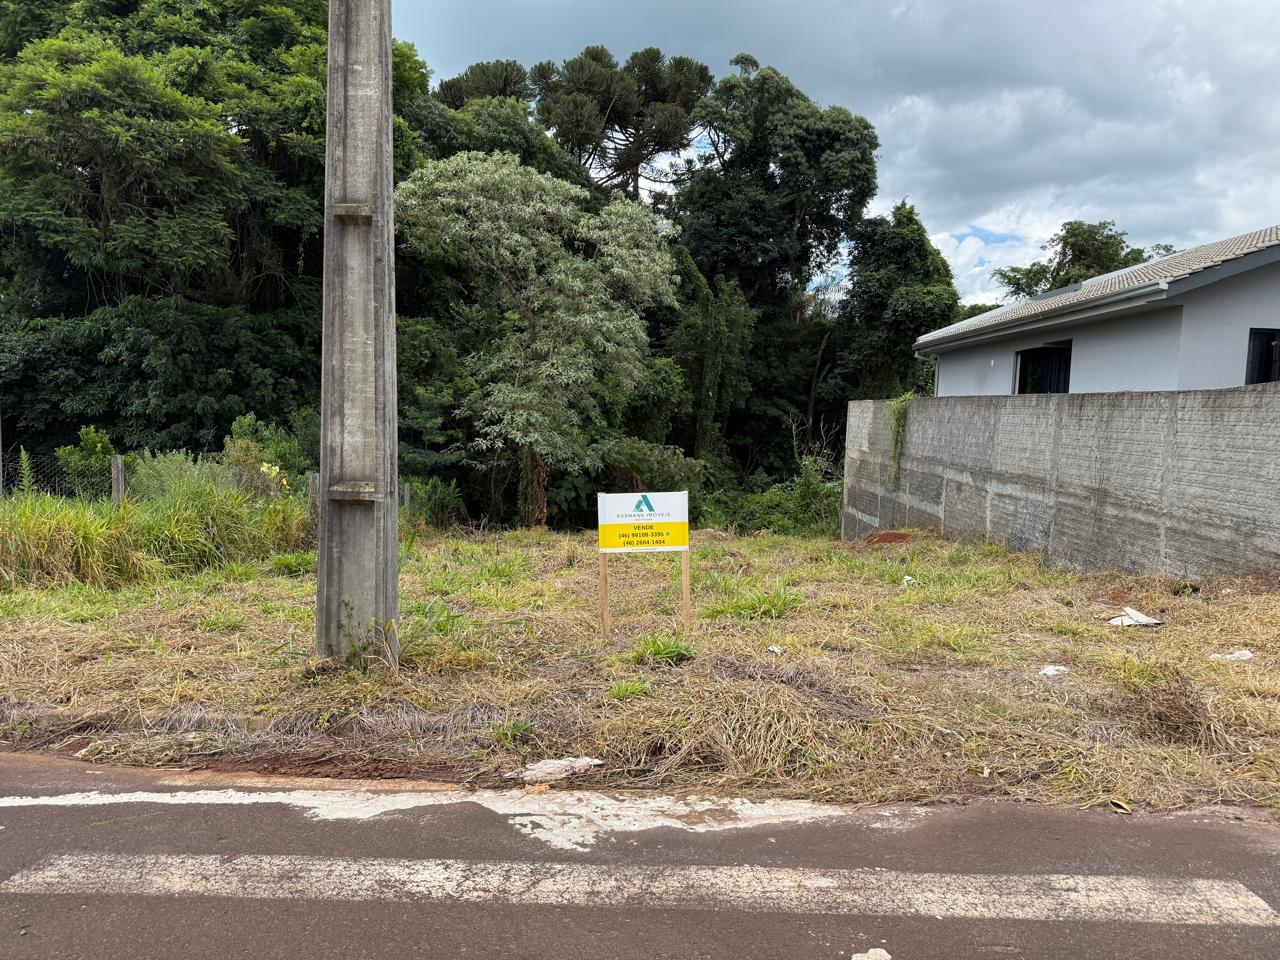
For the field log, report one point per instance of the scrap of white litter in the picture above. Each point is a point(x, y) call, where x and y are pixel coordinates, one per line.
point(568, 820)
point(1134, 618)
point(549, 771)
point(1240, 656)
point(909, 581)
point(1053, 670)
point(744, 888)
point(776, 650)
point(874, 954)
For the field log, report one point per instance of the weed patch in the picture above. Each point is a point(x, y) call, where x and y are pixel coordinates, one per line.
point(48, 541)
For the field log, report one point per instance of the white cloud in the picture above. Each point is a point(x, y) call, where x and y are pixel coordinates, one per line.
point(999, 119)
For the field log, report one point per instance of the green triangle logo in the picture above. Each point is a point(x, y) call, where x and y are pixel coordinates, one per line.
point(643, 505)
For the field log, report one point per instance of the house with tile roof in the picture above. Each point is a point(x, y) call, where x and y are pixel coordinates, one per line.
point(1205, 318)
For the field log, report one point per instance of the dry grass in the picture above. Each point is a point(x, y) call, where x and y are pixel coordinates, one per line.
point(882, 691)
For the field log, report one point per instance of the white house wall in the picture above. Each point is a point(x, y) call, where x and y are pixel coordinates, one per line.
point(1216, 320)
point(984, 370)
point(1200, 341)
point(1132, 353)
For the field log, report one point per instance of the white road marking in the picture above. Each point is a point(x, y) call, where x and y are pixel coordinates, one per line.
point(1051, 897)
point(564, 820)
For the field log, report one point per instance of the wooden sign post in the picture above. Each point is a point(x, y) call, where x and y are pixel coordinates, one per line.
point(644, 523)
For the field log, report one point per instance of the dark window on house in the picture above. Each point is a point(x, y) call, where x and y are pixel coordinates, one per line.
point(1264, 356)
point(1045, 369)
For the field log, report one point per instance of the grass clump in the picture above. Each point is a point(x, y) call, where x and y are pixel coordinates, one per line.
point(510, 734)
point(660, 649)
point(433, 636)
point(758, 604)
point(224, 623)
point(629, 689)
point(299, 563)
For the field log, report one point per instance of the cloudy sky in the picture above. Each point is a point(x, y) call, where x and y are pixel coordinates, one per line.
point(999, 119)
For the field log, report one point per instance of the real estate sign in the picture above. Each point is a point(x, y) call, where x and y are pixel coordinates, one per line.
point(644, 522)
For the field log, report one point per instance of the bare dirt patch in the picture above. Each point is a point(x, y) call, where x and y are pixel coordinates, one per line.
point(887, 538)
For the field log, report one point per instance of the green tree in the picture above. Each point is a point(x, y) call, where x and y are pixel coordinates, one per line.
point(901, 289)
point(161, 177)
point(175, 373)
point(711, 341)
point(500, 79)
point(967, 311)
point(495, 125)
point(1079, 251)
point(159, 161)
point(22, 21)
point(617, 120)
point(563, 289)
point(769, 206)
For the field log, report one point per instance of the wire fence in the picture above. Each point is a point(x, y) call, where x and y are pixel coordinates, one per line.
point(43, 471)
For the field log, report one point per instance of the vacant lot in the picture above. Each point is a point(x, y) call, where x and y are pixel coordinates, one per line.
point(815, 669)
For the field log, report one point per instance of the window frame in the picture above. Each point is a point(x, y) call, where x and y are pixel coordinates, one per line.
point(1257, 361)
point(1020, 357)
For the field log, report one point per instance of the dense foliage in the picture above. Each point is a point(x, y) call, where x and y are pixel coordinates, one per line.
point(560, 290)
point(902, 290)
point(612, 272)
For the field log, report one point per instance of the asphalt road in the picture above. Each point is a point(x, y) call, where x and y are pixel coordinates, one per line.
point(106, 863)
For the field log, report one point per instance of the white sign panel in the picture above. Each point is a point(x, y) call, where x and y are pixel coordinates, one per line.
point(644, 522)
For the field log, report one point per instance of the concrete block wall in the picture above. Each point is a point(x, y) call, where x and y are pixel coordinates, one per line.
point(1185, 482)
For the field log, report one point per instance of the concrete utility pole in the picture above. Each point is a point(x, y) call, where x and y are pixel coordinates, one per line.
point(358, 599)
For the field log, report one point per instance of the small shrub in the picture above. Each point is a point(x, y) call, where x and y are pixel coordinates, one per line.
point(629, 689)
point(26, 476)
point(251, 472)
point(271, 444)
point(632, 464)
point(661, 648)
point(436, 503)
point(809, 505)
point(158, 475)
point(88, 465)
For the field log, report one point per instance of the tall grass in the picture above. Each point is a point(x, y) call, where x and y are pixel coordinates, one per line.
point(191, 524)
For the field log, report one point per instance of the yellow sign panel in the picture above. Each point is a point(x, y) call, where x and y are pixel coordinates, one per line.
point(644, 522)
point(620, 537)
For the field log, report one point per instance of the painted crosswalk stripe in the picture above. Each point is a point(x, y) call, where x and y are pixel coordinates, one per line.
point(863, 892)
